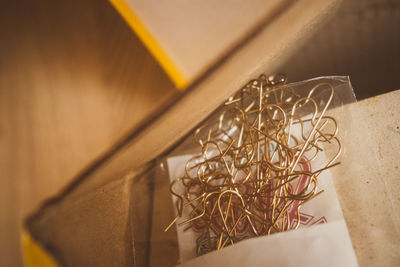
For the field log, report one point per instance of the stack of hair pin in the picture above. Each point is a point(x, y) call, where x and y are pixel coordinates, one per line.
point(252, 174)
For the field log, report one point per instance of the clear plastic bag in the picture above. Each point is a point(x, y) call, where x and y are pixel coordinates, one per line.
point(185, 204)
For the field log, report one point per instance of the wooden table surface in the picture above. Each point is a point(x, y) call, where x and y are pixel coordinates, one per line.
point(73, 80)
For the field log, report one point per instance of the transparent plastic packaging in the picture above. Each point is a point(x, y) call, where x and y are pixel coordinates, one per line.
point(211, 197)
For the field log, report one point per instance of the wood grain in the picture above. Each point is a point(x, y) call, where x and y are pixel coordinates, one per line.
point(73, 80)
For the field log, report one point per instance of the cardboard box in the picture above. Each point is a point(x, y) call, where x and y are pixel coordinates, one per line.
point(87, 223)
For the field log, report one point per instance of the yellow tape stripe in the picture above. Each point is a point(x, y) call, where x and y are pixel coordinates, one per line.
point(170, 68)
point(34, 254)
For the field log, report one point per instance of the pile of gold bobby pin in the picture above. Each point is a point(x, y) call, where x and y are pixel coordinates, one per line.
point(254, 171)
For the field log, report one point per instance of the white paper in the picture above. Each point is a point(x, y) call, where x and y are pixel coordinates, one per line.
point(320, 245)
